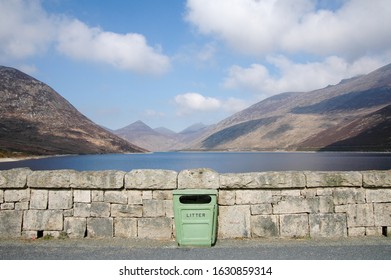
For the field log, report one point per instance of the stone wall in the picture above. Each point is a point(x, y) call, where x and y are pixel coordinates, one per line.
point(139, 204)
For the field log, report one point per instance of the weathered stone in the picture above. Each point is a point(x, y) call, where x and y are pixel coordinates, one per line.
point(307, 193)
point(135, 197)
point(1, 196)
point(116, 197)
point(82, 210)
point(60, 199)
point(382, 213)
point(30, 234)
point(377, 178)
point(68, 212)
point(348, 196)
point(108, 179)
point(75, 227)
point(324, 191)
point(226, 197)
point(201, 178)
point(14, 178)
point(296, 205)
point(253, 196)
point(162, 195)
point(261, 209)
point(22, 205)
point(378, 195)
point(125, 227)
point(16, 195)
point(8, 206)
point(169, 208)
point(147, 195)
point(82, 196)
point(356, 231)
point(327, 225)
point(374, 231)
point(97, 196)
point(234, 221)
point(52, 233)
point(264, 226)
point(100, 227)
point(151, 179)
point(296, 225)
point(333, 179)
point(155, 228)
point(39, 199)
point(43, 220)
point(10, 223)
point(122, 210)
point(100, 209)
point(239, 180)
point(50, 179)
point(359, 215)
point(154, 208)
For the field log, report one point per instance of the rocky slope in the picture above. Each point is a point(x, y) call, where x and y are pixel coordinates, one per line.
point(346, 116)
point(34, 119)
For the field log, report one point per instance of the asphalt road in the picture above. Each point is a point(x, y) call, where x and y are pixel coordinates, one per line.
point(367, 248)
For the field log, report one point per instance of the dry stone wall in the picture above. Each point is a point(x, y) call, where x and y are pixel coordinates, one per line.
point(139, 204)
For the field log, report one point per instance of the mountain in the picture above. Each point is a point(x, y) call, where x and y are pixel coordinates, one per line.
point(34, 119)
point(336, 117)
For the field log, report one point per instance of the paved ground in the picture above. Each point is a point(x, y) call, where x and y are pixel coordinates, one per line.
point(367, 248)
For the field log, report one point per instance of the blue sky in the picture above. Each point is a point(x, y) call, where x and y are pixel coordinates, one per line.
point(174, 63)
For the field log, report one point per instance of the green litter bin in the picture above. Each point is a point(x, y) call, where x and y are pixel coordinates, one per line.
point(195, 214)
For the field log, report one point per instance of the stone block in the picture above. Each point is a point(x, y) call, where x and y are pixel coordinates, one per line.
point(154, 179)
point(261, 209)
point(226, 197)
point(264, 226)
point(201, 178)
point(68, 212)
point(234, 221)
point(82, 196)
point(169, 208)
point(33, 234)
point(155, 228)
point(22, 205)
point(377, 179)
point(296, 225)
point(100, 227)
point(239, 180)
point(296, 205)
point(8, 206)
point(154, 208)
point(162, 195)
point(253, 196)
point(334, 179)
point(100, 209)
point(327, 225)
point(135, 197)
point(60, 199)
point(43, 220)
point(50, 179)
point(348, 196)
point(116, 197)
point(122, 210)
point(17, 195)
point(378, 195)
point(359, 215)
point(125, 227)
point(374, 231)
point(107, 179)
point(356, 231)
point(1, 196)
point(39, 199)
point(146, 195)
point(14, 178)
point(82, 210)
point(75, 227)
point(10, 223)
point(97, 196)
point(382, 212)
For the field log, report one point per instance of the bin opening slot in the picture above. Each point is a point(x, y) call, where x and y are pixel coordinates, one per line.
point(195, 199)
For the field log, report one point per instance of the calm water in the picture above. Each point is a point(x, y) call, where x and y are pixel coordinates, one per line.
point(221, 162)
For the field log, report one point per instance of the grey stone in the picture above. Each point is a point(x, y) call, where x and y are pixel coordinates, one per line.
point(234, 221)
point(100, 209)
point(169, 208)
point(296, 225)
point(374, 231)
point(10, 223)
point(296, 205)
point(100, 227)
point(377, 178)
point(116, 197)
point(52, 179)
point(97, 196)
point(146, 195)
point(201, 178)
point(226, 197)
point(43, 220)
point(155, 228)
point(253, 196)
point(1, 196)
point(125, 227)
point(107, 179)
point(162, 195)
point(239, 180)
point(8, 206)
point(264, 226)
point(75, 227)
point(22, 205)
point(334, 179)
point(348, 196)
point(378, 195)
point(155, 179)
point(261, 209)
point(360, 215)
point(154, 208)
point(39, 199)
point(356, 231)
point(60, 199)
point(327, 225)
point(82, 196)
point(17, 195)
point(121, 210)
point(82, 210)
point(382, 213)
point(14, 178)
point(135, 197)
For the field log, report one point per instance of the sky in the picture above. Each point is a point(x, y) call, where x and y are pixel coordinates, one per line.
point(174, 63)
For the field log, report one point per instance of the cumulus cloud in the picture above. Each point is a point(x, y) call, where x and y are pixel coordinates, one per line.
point(258, 27)
point(26, 29)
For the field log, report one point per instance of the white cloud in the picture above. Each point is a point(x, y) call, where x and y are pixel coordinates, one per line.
point(259, 27)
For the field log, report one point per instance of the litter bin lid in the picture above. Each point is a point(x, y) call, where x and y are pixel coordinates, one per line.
point(194, 191)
